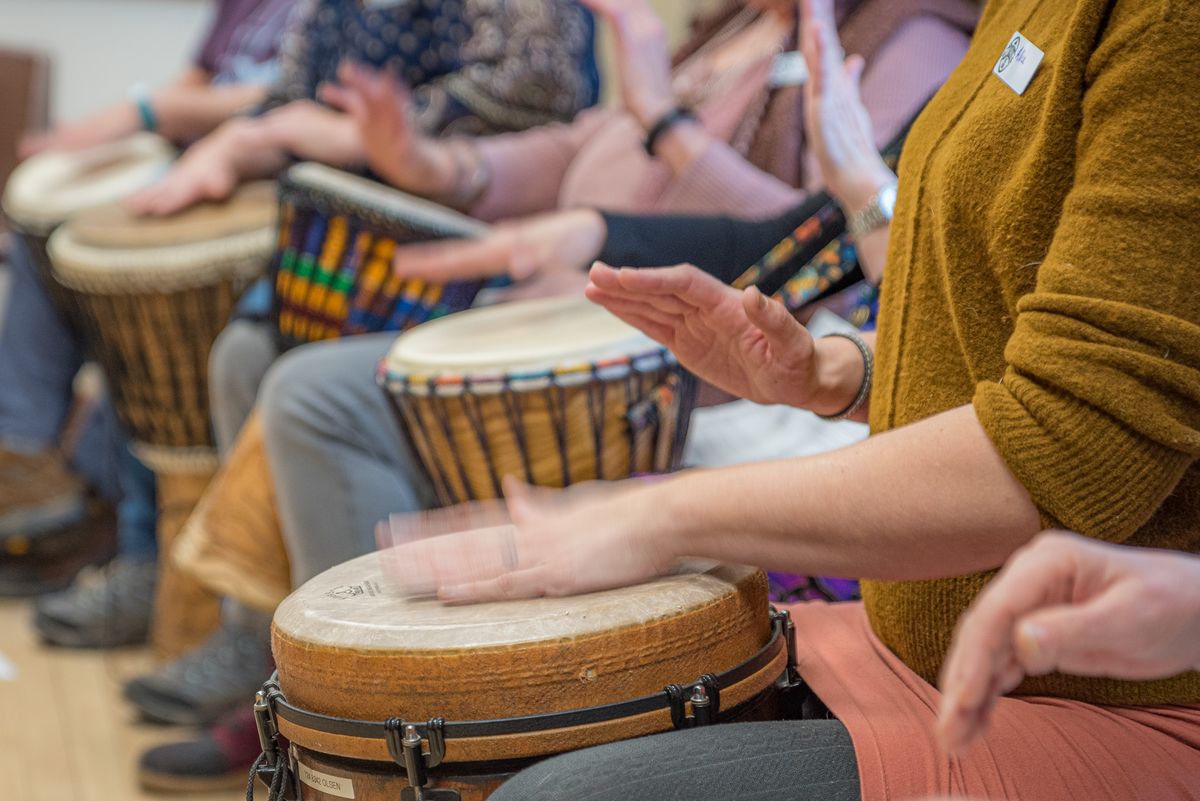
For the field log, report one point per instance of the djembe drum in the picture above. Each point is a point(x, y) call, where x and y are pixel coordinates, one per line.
point(332, 269)
point(47, 190)
point(152, 295)
point(553, 392)
point(377, 693)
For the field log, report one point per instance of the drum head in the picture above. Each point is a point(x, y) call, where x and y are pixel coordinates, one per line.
point(46, 190)
point(516, 338)
point(109, 249)
point(348, 644)
point(112, 226)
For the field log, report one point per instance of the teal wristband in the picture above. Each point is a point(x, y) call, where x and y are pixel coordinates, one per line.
point(140, 96)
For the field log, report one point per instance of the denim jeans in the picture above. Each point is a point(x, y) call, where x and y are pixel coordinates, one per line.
point(39, 357)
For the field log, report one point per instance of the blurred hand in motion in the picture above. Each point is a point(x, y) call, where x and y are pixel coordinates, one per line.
point(549, 254)
point(308, 131)
point(643, 57)
point(1067, 603)
point(587, 538)
point(741, 342)
point(836, 121)
point(113, 123)
point(380, 106)
point(207, 171)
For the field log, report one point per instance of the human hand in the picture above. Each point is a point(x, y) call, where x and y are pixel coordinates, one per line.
point(308, 131)
point(207, 171)
point(1071, 604)
point(380, 106)
point(587, 538)
point(643, 57)
point(550, 247)
point(741, 342)
point(113, 123)
point(836, 121)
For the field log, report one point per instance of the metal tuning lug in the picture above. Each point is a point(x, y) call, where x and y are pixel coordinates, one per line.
point(407, 749)
point(704, 697)
point(272, 768)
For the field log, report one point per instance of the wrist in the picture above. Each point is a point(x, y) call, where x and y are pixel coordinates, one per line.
point(840, 372)
point(859, 187)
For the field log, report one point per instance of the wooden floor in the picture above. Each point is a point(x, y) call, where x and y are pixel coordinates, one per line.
point(65, 733)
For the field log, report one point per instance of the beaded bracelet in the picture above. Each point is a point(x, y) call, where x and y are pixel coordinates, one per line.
point(864, 391)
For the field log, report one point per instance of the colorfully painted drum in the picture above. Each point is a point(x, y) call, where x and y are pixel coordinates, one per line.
point(553, 392)
point(332, 270)
point(491, 688)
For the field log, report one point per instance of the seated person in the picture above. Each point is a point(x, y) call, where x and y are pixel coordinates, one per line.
point(40, 355)
point(1022, 378)
point(359, 437)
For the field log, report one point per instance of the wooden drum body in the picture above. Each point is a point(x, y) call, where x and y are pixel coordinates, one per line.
point(49, 189)
point(553, 392)
point(150, 296)
point(332, 269)
point(492, 688)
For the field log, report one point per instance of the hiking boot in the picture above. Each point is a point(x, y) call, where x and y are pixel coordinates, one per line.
point(104, 608)
point(217, 759)
point(200, 686)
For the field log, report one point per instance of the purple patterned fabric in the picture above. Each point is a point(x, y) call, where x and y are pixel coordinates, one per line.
point(789, 588)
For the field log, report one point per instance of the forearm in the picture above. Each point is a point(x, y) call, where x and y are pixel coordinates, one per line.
point(188, 112)
point(250, 156)
point(927, 500)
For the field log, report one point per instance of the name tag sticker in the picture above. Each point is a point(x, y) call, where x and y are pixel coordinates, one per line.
point(789, 69)
point(338, 786)
point(1018, 63)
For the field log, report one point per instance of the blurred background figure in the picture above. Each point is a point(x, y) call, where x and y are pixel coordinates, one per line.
point(46, 485)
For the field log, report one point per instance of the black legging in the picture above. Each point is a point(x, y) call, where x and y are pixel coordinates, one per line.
point(802, 760)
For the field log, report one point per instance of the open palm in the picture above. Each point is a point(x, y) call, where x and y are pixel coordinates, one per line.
point(741, 342)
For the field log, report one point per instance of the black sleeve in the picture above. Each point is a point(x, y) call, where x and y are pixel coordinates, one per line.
point(721, 246)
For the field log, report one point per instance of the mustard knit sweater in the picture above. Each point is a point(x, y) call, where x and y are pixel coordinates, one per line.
point(1045, 267)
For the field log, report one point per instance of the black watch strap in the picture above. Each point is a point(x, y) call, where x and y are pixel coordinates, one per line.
point(665, 123)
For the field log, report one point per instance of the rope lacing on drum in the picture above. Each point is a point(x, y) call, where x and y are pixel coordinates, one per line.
point(275, 790)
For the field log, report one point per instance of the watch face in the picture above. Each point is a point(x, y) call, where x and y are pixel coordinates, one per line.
point(887, 200)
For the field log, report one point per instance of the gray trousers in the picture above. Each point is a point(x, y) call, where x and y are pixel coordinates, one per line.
point(802, 760)
point(338, 457)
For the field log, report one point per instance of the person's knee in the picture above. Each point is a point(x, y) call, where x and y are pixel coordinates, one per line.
point(238, 356)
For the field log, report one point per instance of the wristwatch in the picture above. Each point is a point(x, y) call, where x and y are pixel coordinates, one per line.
point(877, 213)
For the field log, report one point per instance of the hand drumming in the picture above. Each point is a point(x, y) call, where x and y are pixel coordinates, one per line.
point(380, 106)
point(839, 130)
point(1067, 603)
point(549, 253)
point(741, 342)
point(559, 542)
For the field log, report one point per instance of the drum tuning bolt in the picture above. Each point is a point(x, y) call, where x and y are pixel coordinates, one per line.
point(271, 767)
point(704, 698)
point(407, 749)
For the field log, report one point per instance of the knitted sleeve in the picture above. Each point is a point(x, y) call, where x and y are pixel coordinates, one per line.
point(1098, 413)
point(525, 65)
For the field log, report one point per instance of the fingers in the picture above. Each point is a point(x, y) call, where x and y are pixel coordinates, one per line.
point(687, 283)
point(653, 322)
point(509, 586)
point(1067, 638)
point(982, 660)
point(346, 99)
point(783, 333)
point(455, 259)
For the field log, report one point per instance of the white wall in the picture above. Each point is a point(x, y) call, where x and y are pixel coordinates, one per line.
point(102, 47)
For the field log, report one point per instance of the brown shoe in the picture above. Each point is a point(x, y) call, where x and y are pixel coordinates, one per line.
point(49, 528)
point(37, 493)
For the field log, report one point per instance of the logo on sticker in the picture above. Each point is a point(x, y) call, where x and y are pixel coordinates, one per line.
point(1014, 52)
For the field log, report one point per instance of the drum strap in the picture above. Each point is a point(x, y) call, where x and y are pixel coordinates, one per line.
point(404, 739)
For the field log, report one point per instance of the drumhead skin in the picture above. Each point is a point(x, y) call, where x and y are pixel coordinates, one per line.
point(347, 644)
point(529, 336)
point(47, 190)
point(108, 249)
